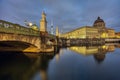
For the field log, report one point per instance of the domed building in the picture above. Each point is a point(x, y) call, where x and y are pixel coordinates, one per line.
point(102, 29)
point(99, 23)
point(98, 30)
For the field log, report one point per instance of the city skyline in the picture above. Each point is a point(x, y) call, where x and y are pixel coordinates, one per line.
point(66, 14)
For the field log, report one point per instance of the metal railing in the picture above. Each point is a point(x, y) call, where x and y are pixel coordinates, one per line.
point(7, 27)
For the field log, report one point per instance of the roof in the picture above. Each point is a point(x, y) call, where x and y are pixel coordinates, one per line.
point(80, 28)
point(98, 20)
point(110, 28)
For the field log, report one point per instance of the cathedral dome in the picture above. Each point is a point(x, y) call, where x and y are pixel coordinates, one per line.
point(99, 23)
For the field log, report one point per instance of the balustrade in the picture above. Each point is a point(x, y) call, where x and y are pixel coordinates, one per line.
point(7, 27)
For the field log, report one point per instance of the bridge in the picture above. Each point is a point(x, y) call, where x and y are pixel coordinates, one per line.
point(16, 32)
point(10, 32)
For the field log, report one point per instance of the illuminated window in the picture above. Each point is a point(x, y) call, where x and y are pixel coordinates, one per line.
point(0, 23)
point(6, 25)
point(10, 26)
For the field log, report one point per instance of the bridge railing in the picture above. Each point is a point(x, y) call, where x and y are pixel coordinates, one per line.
point(7, 27)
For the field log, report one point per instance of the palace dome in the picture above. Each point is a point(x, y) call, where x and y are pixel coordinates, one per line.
point(99, 20)
point(99, 23)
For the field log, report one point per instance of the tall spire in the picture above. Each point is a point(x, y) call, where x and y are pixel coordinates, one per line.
point(43, 23)
point(57, 31)
point(43, 14)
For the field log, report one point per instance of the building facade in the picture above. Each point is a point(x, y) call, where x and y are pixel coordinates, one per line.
point(98, 30)
point(83, 32)
point(117, 34)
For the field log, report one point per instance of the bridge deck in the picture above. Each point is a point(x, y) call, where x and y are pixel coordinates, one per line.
point(7, 27)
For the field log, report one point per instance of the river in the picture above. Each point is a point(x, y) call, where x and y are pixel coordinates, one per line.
point(71, 63)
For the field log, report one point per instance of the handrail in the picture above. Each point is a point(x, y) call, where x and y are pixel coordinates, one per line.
point(8, 27)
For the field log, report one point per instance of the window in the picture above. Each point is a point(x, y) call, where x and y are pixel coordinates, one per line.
point(0, 23)
point(6, 25)
point(11, 26)
point(17, 27)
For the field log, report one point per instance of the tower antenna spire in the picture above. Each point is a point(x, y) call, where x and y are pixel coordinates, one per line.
point(52, 29)
point(52, 22)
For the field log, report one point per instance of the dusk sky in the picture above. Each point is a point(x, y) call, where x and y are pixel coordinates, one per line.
point(66, 14)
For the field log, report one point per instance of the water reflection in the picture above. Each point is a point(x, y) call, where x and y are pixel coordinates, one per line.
point(97, 51)
point(26, 66)
point(90, 50)
point(23, 66)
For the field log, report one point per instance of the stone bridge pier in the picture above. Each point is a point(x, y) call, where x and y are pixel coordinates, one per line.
point(34, 40)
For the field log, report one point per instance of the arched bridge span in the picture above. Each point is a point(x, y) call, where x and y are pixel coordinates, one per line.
point(34, 40)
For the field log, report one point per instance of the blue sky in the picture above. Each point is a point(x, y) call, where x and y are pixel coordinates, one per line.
point(66, 14)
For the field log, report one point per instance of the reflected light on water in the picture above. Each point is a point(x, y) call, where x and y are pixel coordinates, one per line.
point(76, 62)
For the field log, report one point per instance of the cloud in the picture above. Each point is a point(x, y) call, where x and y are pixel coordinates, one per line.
point(67, 14)
point(84, 12)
